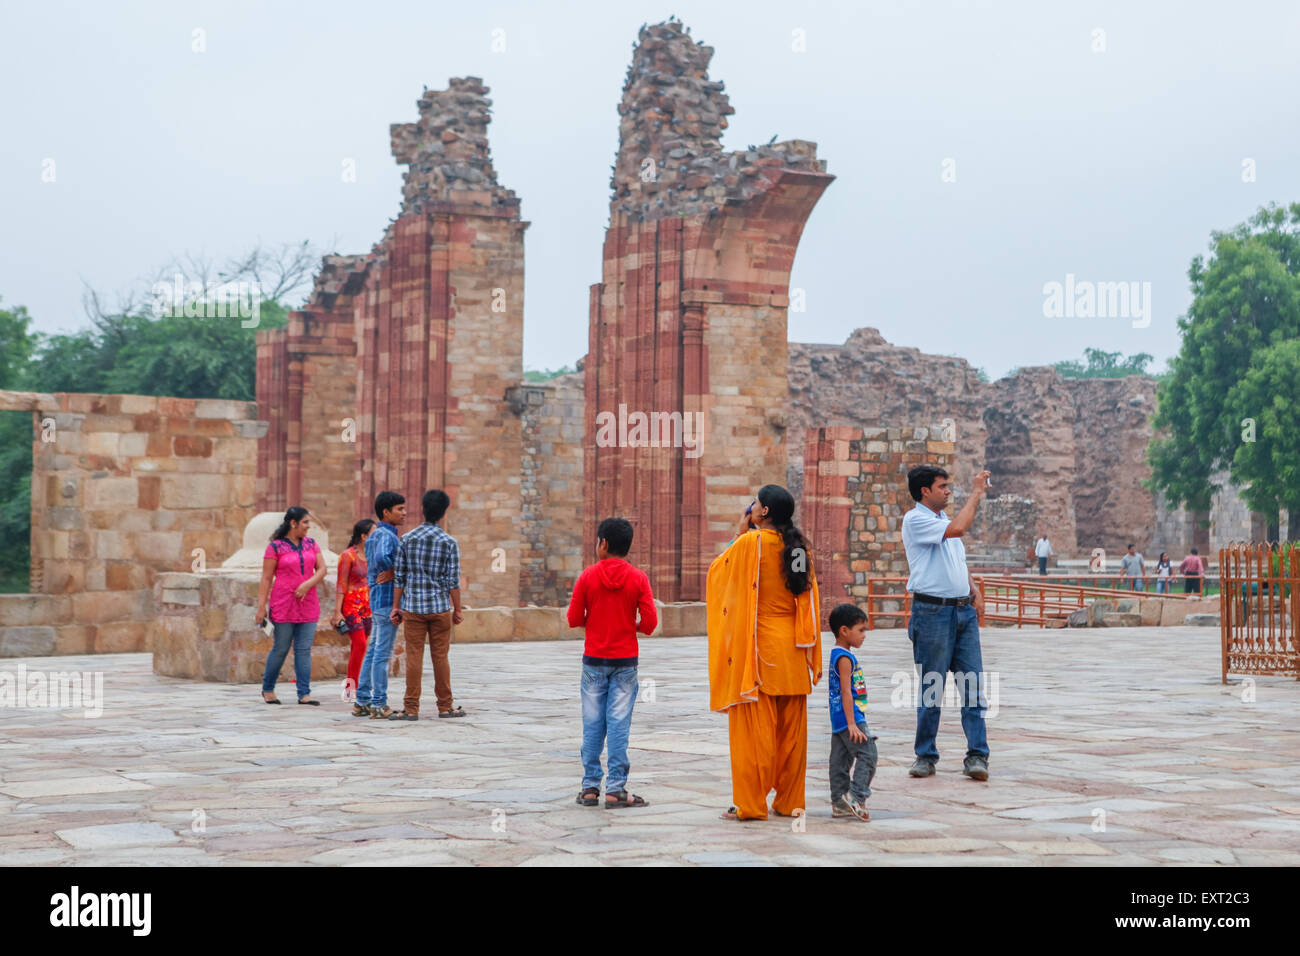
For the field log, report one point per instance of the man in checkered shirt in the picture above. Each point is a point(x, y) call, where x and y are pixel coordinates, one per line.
point(426, 601)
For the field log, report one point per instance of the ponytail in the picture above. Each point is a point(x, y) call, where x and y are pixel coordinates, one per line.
point(794, 556)
point(359, 531)
point(296, 513)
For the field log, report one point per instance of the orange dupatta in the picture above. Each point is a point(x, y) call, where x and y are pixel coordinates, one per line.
point(731, 595)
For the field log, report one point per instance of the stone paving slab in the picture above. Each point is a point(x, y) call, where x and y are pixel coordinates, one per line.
point(1130, 721)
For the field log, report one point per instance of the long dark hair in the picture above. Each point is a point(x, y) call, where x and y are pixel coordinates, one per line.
point(794, 556)
point(360, 530)
point(296, 513)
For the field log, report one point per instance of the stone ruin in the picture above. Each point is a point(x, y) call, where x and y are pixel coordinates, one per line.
point(404, 371)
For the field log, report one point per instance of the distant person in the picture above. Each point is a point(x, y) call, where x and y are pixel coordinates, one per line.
point(1133, 568)
point(381, 552)
point(291, 568)
point(612, 600)
point(944, 626)
point(1163, 571)
point(853, 745)
point(1043, 551)
point(352, 601)
point(765, 655)
point(426, 601)
point(1193, 570)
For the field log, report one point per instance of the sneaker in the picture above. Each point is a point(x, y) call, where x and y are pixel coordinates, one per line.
point(381, 713)
point(922, 768)
point(976, 767)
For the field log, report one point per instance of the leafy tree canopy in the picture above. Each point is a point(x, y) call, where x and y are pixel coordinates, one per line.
point(1237, 347)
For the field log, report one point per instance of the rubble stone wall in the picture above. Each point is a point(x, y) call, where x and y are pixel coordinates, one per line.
point(553, 551)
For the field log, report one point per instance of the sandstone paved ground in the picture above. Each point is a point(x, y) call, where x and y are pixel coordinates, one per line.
point(1132, 722)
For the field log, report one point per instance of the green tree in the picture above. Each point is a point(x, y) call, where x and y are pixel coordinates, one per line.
point(1098, 363)
point(176, 355)
point(16, 345)
point(1267, 399)
point(545, 375)
point(1246, 304)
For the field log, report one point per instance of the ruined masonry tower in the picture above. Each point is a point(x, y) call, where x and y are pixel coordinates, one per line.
point(693, 294)
point(395, 374)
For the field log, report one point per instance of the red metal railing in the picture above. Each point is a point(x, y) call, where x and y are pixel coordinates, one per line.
point(1024, 599)
point(1259, 609)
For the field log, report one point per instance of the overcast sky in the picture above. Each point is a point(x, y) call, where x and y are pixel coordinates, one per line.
point(1111, 165)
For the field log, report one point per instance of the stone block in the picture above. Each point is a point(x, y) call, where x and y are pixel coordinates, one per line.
point(22, 610)
point(1202, 620)
point(1121, 619)
point(485, 624)
point(120, 637)
point(133, 445)
point(1151, 612)
point(175, 647)
point(1127, 605)
point(222, 408)
point(97, 607)
point(212, 621)
point(1078, 618)
point(1097, 610)
point(192, 446)
point(539, 624)
point(102, 443)
point(74, 639)
point(175, 580)
point(692, 620)
point(186, 598)
point(64, 518)
point(194, 491)
point(27, 641)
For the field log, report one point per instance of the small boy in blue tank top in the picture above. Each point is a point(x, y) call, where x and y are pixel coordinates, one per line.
point(853, 745)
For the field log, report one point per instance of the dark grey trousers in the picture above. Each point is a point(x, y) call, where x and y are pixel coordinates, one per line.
point(860, 758)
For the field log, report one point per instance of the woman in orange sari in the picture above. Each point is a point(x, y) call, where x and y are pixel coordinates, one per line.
point(765, 654)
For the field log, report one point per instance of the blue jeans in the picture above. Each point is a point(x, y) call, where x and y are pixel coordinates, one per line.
point(300, 635)
point(372, 685)
point(947, 638)
point(1162, 585)
point(608, 694)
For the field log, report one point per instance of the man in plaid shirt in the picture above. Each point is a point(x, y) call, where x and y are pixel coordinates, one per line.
point(426, 600)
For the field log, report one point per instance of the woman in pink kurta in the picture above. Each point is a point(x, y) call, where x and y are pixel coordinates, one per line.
point(291, 568)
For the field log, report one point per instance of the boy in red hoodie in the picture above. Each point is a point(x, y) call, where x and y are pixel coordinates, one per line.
point(606, 600)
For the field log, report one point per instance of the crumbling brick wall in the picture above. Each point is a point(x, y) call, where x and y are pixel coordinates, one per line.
point(417, 343)
point(854, 499)
point(307, 393)
point(697, 259)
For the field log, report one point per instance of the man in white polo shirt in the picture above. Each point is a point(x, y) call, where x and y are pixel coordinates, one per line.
point(944, 624)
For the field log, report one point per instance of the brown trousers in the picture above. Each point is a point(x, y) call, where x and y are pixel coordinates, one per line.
point(436, 630)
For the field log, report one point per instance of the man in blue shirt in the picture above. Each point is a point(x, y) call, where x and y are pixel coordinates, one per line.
point(381, 553)
point(944, 624)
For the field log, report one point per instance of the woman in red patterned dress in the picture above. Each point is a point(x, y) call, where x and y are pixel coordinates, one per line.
point(352, 600)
